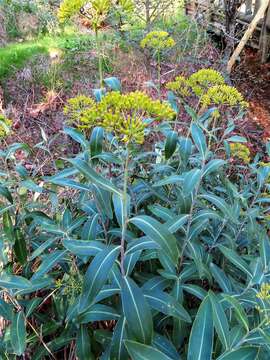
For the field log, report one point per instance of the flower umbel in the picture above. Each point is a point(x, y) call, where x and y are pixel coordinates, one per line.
point(180, 86)
point(223, 95)
point(158, 40)
point(5, 125)
point(122, 114)
point(241, 152)
point(204, 79)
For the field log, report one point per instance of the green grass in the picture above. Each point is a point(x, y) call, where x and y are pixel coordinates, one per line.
point(14, 56)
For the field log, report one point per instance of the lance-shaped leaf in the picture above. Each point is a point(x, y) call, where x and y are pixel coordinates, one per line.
point(244, 353)
point(83, 247)
point(199, 139)
point(98, 312)
point(234, 258)
point(220, 320)
point(14, 282)
point(136, 311)
point(113, 83)
point(139, 351)
point(165, 346)
point(191, 179)
point(166, 304)
point(171, 144)
point(83, 344)
point(77, 136)
point(213, 165)
point(238, 309)
point(201, 336)
point(221, 278)
point(18, 333)
point(119, 208)
point(143, 243)
point(158, 233)
point(96, 141)
point(49, 261)
point(94, 177)
point(96, 275)
point(118, 350)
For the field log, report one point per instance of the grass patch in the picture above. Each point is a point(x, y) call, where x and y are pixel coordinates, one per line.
point(14, 56)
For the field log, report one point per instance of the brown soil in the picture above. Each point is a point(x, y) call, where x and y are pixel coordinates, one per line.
point(253, 80)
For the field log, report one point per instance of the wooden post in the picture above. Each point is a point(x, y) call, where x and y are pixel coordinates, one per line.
point(265, 38)
point(258, 4)
point(247, 35)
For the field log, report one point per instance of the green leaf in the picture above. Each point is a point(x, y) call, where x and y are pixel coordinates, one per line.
point(6, 193)
point(191, 180)
point(221, 278)
point(165, 346)
point(119, 210)
point(96, 275)
point(238, 309)
point(171, 144)
point(201, 336)
point(195, 290)
point(8, 227)
point(14, 282)
point(234, 258)
point(139, 351)
point(237, 139)
point(199, 139)
point(136, 311)
point(244, 353)
point(158, 233)
point(96, 141)
point(118, 350)
point(166, 304)
point(6, 310)
point(220, 320)
point(77, 136)
point(265, 251)
point(83, 344)
point(213, 165)
point(20, 248)
point(103, 201)
point(113, 83)
point(49, 261)
point(83, 247)
point(143, 243)
point(177, 223)
point(219, 203)
point(18, 333)
point(90, 174)
point(98, 312)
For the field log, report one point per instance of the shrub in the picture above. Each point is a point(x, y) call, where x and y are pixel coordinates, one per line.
point(154, 251)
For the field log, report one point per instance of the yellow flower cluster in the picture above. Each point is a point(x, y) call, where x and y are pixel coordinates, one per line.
point(180, 86)
point(199, 82)
point(223, 95)
point(264, 293)
point(71, 286)
point(76, 107)
point(5, 125)
point(69, 8)
point(204, 79)
point(96, 10)
point(122, 114)
point(241, 152)
point(158, 40)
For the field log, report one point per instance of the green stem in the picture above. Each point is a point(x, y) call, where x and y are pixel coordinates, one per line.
point(100, 64)
point(125, 214)
point(159, 73)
